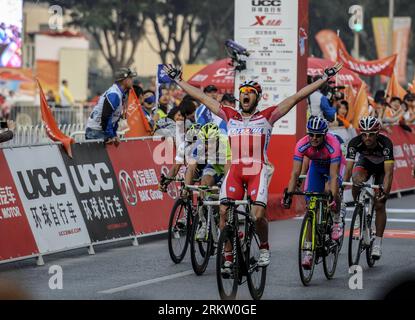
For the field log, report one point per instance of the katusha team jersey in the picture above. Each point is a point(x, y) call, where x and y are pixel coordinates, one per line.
point(249, 136)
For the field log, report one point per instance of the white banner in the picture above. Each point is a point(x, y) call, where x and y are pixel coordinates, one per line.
point(48, 198)
point(269, 31)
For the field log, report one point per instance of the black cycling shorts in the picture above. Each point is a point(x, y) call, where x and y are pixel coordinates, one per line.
point(372, 169)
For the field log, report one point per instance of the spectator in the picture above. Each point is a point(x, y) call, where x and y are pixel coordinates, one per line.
point(103, 121)
point(409, 99)
point(149, 101)
point(166, 127)
point(6, 130)
point(50, 98)
point(203, 114)
point(162, 109)
point(66, 97)
point(320, 105)
point(341, 117)
point(228, 100)
point(188, 109)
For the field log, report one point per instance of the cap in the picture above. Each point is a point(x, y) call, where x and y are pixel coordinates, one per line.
point(409, 97)
point(124, 73)
point(210, 88)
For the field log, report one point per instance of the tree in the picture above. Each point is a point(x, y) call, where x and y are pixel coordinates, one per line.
point(181, 21)
point(117, 27)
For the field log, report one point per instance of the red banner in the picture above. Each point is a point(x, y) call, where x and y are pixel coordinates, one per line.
point(16, 238)
point(138, 176)
point(366, 68)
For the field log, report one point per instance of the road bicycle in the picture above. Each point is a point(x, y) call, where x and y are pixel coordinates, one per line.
point(244, 247)
point(362, 234)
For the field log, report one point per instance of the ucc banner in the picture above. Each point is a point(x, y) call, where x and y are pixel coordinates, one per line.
point(47, 196)
point(96, 189)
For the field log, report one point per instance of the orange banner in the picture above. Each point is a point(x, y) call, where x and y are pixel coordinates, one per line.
point(51, 127)
point(361, 105)
point(137, 122)
point(327, 40)
point(366, 68)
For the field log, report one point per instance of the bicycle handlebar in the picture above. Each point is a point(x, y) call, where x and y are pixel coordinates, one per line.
point(202, 188)
point(365, 185)
point(310, 194)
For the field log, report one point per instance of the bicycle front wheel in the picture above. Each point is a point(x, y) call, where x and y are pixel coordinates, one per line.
point(369, 259)
point(256, 275)
point(227, 278)
point(356, 236)
point(307, 235)
point(200, 245)
point(179, 230)
point(331, 252)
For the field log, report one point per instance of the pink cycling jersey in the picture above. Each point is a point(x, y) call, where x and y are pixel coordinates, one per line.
point(329, 153)
point(249, 136)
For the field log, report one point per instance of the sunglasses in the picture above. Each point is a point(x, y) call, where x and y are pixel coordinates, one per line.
point(248, 90)
point(369, 134)
point(315, 135)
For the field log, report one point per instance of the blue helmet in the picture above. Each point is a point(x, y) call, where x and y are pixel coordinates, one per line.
point(317, 125)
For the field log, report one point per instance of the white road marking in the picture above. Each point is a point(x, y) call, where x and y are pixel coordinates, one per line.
point(389, 220)
point(147, 282)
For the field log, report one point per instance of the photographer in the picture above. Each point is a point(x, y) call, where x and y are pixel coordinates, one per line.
point(319, 102)
point(6, 130)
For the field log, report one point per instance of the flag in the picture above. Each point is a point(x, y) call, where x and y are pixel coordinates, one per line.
point(361, 105)
point(350, 97)
point(161, 78)
point(366, 68)
point(137, 122)
point(51, 127)
point(394, 89)
point(327, 40)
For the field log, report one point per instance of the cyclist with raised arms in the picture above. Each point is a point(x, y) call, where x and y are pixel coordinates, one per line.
point(324, 152)
point(251, 128)
point(375, 159)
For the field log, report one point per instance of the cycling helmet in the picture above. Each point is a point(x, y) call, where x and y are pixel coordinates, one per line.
point(370, 124)
point(252, 84)
point(208, 131)
point(317, 125)
point(192, 133)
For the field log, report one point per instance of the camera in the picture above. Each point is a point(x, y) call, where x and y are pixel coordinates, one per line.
point(3, 125)
point(333, 93)
point(235, 50)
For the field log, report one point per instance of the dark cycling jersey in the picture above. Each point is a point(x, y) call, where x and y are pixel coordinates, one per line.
point(381, 153)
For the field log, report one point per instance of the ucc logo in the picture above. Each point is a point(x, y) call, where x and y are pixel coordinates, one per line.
point(266, 3)
point(42, 182)
point(91, 177)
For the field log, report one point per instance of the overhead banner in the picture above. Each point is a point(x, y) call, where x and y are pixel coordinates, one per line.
point(48, 198)
point(270, 31)
point(366, 68)
point(327, 40)
point(401, 33)
point(96, 189)
point(148, 207)
point(16, 238)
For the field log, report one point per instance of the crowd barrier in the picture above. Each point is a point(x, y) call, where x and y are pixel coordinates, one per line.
point(51, 203)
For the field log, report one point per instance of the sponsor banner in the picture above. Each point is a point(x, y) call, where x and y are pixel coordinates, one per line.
point(273, 41)
point(138, 176)
point(48, 198)
point(366, 68)
point(404, 154)
point(327, 40)
point(401, 32)
point(16, 238)
point(96, 189)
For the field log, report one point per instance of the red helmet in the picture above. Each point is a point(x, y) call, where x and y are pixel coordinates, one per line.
point(252, 84)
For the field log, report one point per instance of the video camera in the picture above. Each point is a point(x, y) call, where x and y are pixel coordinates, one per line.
point(235, 50)
point(333, 92)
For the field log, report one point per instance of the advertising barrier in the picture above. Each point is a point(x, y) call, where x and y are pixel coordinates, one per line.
point(48, 198)
point(97, 192)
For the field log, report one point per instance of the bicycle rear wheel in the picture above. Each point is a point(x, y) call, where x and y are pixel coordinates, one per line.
point(179, 230)
point(200, 249)
point(256, 275)
point(227, 283)
point(356, 236)
point(306, 233)
point(331, 252)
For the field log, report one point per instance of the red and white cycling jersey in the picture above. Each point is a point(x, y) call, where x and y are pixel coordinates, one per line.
point(249, 136)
